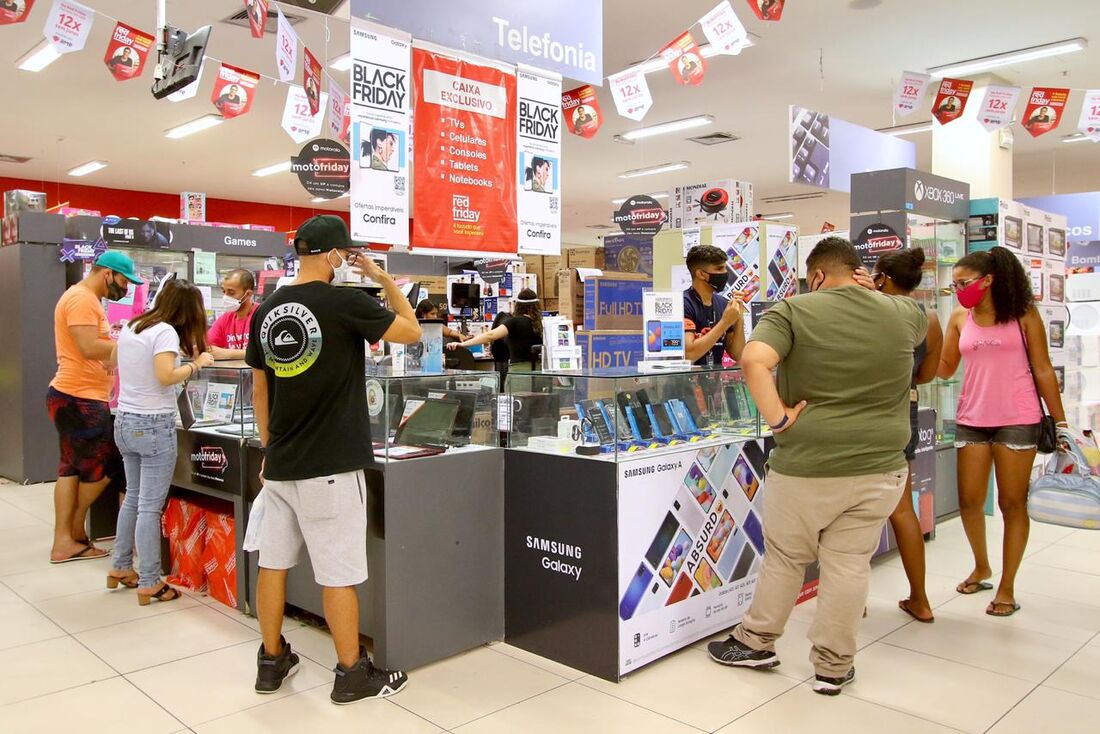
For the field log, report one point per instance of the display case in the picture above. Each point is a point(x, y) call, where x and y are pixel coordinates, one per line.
point(220, 400)
point(618, 414)
point(415, 415)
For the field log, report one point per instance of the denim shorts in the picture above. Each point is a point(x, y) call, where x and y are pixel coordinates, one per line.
point(1019, 438)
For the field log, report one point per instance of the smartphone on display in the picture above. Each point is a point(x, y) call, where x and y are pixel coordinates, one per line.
point(722, 534)
point(630, 400)
point(654, 598)
point(734, 548)
point(701, 489)
point(681, 591)
point(675, 558)
point(755, 454)
point(633, 596)
point(660, 543)
point(744, 476)
point(653, 336)
point(755, 531)
point(706, 577)
point(688, 510)
point(599, 423)
point(744, 563)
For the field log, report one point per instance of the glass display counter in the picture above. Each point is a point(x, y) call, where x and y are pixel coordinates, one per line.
point(220, 400)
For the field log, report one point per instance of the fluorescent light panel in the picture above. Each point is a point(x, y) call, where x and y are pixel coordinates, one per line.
point(996, 61)
point(1078, 138)
point(39, 57)
point(195, 126)
point(86, 168)
point(665, 128)
point(341, 62)
point(779, 215)
point(659, 195)
point(652, 170)
point(916, 127)
point(272, 169)
point(657, 63)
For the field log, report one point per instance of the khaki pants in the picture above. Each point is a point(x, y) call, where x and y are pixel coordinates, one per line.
point(837, 521)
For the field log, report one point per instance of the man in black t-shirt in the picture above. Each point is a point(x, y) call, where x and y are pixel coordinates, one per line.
point(307, 350)
point(713, 324)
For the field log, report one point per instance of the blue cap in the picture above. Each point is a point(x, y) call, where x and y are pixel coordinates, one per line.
point(121, 264)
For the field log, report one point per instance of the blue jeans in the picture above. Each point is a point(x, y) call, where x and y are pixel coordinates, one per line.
point(148, 447)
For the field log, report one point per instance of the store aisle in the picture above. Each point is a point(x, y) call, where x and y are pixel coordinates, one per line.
point(76, 658)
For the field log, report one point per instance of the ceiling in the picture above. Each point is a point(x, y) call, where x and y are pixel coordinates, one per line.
point(825, 54)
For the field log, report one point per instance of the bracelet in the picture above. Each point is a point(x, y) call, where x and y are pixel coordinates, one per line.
point(191, 365)
point(781, 423)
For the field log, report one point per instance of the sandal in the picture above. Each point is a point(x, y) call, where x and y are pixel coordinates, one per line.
point(973, 587)
point(1011, 607)
point(903, 605)
point(130, 580)
point(164, 593)
point(87, 553)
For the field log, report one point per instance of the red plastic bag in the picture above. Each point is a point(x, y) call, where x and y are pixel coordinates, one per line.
point(184, 523)
point(219, 558)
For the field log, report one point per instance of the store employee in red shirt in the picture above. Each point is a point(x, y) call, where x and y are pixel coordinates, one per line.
point(228, 337)
point(713, 324)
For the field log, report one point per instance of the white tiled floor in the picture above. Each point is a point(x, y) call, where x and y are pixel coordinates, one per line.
point(76, 658)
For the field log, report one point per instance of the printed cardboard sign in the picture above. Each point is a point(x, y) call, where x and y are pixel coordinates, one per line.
point(951, 100)
point(311, 82)
point(768, 9)
point(581, 109)
point(685, 59)
point(127, 51)
point(630, 90)
point(1044, 110)
point(257, 16)
point(1089, 123)
point(15, 11)
point(998, 106)
point(234, 90)
point(68, 26)
point(724, 30)
point(910, 92)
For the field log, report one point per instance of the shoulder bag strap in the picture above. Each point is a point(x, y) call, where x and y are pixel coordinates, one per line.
point(1027, 353)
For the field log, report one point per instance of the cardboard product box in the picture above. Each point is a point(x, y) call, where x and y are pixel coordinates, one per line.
point(611, 348)
point(584, 257)
point(22, 200)
point(533, 264)
point(629, 253)
point(551, 304)
point(1054, 277)
point(436, 285)
point(614, 301)
point(571, 296)
point(551, 264)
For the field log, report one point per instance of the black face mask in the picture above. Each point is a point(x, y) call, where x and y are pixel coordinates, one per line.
point(718, 281)
point(115, 292)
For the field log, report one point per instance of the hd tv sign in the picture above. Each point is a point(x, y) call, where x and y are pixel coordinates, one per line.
point(565, 36)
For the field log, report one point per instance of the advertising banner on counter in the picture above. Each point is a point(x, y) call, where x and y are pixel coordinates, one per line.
point(234, 90)
point(781, 246)
point(768, 9)
point(724, 30)
point(691, 543)
point(339, 113)
point(127, 51)
point(630, 90)
point(685, 60)
point(464, 156)
point(1044, 110)
point(380, 118)
point(257, 16)
point(311, 81)
point(951, 100)
point(298, 120)
point(15, 11)
point(741, 243)
point(136, 233)
point(538, 149)
point(581, 109)
point(663, 316)
point(998, 106)
point(1089, 124)
point(286, 48)
point(68, 26)
point(910, 92)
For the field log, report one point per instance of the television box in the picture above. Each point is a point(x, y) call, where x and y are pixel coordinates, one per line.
point(629, 253)
point(614, 301)
point(612, 348)
point(571, 295)
point(583, 257)
point(21, 200)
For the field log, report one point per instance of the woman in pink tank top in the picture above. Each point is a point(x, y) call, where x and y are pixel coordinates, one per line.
point(999, 412)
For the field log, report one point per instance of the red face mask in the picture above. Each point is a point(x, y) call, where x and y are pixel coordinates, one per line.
point(971, 295)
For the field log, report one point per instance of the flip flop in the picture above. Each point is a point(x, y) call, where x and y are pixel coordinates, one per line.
point(1012, 606)
point(975, 586)
point(903, 605)
point(83, 555)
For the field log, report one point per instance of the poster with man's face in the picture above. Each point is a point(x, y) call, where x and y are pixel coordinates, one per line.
point(257, 16)
point(234, 90)
point(127, 51)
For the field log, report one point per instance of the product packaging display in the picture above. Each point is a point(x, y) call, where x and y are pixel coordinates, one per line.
point(220, 401)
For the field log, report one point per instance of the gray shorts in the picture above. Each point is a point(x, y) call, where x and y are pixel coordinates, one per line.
point(1018, 438)
point(329, 515)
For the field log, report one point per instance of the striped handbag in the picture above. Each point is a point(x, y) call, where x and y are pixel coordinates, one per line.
point(1066, 493)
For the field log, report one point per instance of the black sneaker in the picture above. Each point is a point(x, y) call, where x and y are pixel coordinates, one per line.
point(831, 686)
point(271, 671)
point(363, 680)
point(736, 653)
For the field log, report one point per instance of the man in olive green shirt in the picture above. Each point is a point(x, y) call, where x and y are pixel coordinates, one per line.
point(843, 357)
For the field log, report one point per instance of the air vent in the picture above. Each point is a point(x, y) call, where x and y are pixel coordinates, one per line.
point(5, 158)
point(714, 138)
point(240, 18)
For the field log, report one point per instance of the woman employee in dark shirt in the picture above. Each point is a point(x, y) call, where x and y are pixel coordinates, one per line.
point(523, 330)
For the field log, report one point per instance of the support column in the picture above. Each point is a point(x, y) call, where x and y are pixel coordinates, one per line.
point(965, 151)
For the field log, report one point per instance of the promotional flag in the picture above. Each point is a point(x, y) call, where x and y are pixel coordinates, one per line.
point(630, 91)
point(380, 120)
point(1089, 123)
point(951, 99)
point(127, 51)
point(1044, 110)
point(68, 26)
point(257, 16)
point(581, 109)
point(767, 9)
point(724, 30)
point(339, 113)
point(685, 60)
point(464, 154)
point(311, 81)
point(299, 122)
point(286, 48)
point(910, 92)
point(998, 106)
point(234, 90)
point(538, 150)
point(15, 11)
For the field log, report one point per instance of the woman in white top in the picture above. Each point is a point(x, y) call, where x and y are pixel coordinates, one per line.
point(145, 427)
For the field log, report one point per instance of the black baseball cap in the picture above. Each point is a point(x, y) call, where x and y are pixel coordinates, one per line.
point(322, 233)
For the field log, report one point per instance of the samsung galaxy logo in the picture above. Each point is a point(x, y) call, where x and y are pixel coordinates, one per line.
point(238, 242)
point(554, 546)
point(642, 471)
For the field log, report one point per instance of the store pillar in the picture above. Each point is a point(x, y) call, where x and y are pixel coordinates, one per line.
point(966, 151)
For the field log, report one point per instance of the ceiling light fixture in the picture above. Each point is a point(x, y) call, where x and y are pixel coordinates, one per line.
point(89, 167)
point(195, 126)
point(657, 62)
point(664, 128)
point(272, 169)
point(778, 215)
point(996, 61)
point(1076, 138)
point(911, 129)
point(39, 57)
point(658, 195)
point(341, 62)
point(652, 170)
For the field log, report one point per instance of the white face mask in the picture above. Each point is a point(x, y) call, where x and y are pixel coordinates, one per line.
point(230, 303)
point(340, 272)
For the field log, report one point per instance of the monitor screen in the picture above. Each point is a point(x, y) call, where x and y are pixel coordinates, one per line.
point(465, 295)
point(430, 422)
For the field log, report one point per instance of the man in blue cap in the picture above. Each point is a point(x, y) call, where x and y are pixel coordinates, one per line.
point(78, 401)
